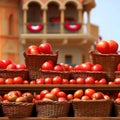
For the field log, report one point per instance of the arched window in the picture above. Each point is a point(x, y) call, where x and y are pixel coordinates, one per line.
point(10, 25)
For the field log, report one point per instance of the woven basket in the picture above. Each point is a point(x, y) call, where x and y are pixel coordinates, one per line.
point(14, 73)
point(108, 61)
point(34, 62)
point(20, 109)
point(92, 108)
point(52, 109)
point(51, 74)
point(117, 74)
point(84, 74)
point(116, 109)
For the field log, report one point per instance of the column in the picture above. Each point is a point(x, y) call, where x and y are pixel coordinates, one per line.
point(62, 22)
point(80, 20)
point(45, 21)
point(24, 20)
point(88, 22)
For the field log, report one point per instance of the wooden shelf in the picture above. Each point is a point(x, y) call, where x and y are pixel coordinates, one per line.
point(63, 87)
point(63, 118)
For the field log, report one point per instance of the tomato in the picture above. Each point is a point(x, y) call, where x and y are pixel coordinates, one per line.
point(117, 100)
point(2, 81)
point(107, 97)
point(113, 46)
point(97, 95)
point(7, 62)
point(43, 92)
point(25, 82)
point(50, 96)
point(80, 80)
point(32, 47)
point(21, 99)
point(118, 67)
point(72, 81)
point(34, 51)
point(62, 99)
point(102, 47)
point(11, 66)
point(28, 96)
point(32, 82)
point(58, 67)
point(70, 97)
point(65, 81)
point(47, 66)
point(89, 80)
point(77, 67)
point(57, 80)
point(103, 81)
point(85, 97)
point(89, 92)
point(17, 80)
point(2, 65)
point(45, 48)
point(97, 67)
point(78, 93)
point(89, 63)
point(117, 81)
point(85, 67)
point(20, 66)
point(9, 81)
point(61, 94)
point(40, 81)
point(55, 91)
point(37, 97)
point(118, 95)
point(48, 80)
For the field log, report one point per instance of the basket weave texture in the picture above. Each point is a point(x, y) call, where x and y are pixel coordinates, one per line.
point(117, 109)
point(117, 74)
point(92, 108)
point(108, 61)
point(52, 109)
point(83, 74)
point(51, 74)
point(14, 73)
point(34, 62)
point(13, 109)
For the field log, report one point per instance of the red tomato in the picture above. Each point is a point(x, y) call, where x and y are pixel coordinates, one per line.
point(70, 97)
point(17, 80)
point(97, 95)
point(57, 80)
point(97, 67)
point(117, 81)
point(80, 80)
point(89, 80)
point(40, 81)
point(32, 82)
point(11, 66)
point(48, 80)
point(61, 94)
point(118, 67)
point(7, 62)
point(113, 46)
point(47, 66)
point(2, 65)
point(43, 93)
point(20, 66)
point(85, 97)
point(9, 81)
point(37, 97)
point(65, 81)
point(72, 81)
point(62, 99)
point(2, 81)
point(77, 67)
point(45, 48)
point(89, 92)
point(34, 51)
point(106, 97)
point(102, 47)
point(32, 47)
point(58, 67)
point(50, 96)
point(103, 81)
point(55, 91)
point(85, 67)
point(118, 95)
point(25, 82)
point(78, 93)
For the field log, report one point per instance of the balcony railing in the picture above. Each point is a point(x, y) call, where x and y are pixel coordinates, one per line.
point(60, 28)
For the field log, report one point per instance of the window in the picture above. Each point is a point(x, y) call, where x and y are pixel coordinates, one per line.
point(68, 59)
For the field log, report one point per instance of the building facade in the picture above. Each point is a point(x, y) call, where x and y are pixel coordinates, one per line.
point(65, 24)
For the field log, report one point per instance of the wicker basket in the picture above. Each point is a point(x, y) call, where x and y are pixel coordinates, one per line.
point(20, 109)
point(52, 109)
point(117, 74)
point(92, 108)
point(83, 74)
point(116, 109)
point(14, 73)
point(108, 61)
point(48, 73)
point(34, 62)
